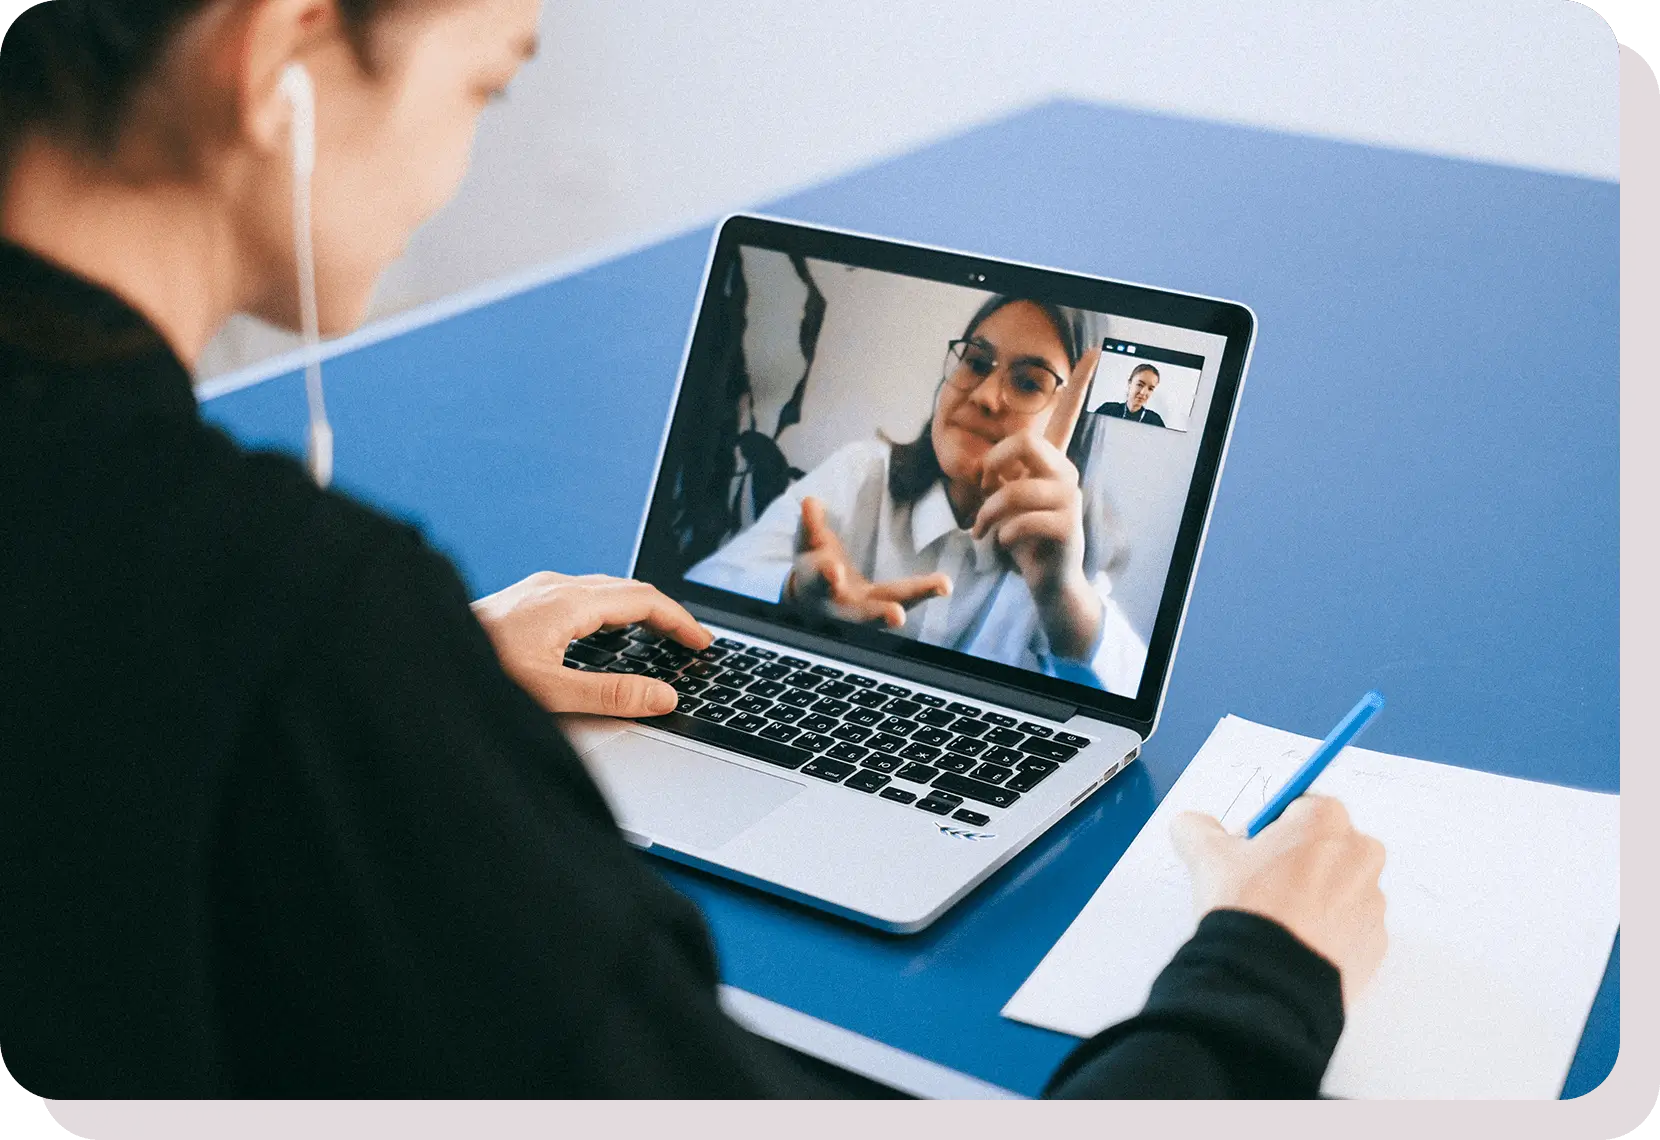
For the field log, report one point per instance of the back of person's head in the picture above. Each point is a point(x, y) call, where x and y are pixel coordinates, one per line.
point(188, 96)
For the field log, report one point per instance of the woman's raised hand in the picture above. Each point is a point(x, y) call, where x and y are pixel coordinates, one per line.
point(1035, 512)
point(531, 625)
point(824, 577)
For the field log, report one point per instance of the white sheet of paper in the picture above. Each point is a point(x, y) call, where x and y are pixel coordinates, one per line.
point(1503, 903)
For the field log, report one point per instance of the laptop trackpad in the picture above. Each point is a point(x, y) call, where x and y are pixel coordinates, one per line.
point(682, 797)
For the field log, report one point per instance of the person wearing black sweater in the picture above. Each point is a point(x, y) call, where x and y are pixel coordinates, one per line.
point(281, 813)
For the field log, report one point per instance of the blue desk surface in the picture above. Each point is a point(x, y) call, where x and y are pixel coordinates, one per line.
point(1422, 495)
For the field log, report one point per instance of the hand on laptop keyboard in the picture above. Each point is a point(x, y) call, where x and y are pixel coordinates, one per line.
point(533, 625)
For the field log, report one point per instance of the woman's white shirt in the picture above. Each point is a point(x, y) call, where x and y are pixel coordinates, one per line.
point(990, 613)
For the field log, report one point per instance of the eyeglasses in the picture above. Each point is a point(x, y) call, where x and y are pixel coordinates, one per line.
point(1029, 386)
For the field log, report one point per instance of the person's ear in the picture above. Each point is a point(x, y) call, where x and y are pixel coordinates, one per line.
point(268, 36)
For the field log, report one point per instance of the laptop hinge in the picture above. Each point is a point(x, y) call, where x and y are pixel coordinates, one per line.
point(1006, 695)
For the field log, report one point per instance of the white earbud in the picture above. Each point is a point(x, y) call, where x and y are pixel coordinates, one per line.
point(297, 89)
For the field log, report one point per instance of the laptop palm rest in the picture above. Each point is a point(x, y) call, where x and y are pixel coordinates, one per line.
point(681, 797)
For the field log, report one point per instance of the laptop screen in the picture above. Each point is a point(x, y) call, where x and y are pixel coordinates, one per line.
point(932, 465)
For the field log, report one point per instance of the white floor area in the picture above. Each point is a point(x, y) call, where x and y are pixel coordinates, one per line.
point(655, 115)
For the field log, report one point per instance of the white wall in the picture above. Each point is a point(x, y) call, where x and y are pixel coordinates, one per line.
point(654, 115)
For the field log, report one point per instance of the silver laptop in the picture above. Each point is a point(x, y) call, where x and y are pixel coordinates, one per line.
point(948, 589)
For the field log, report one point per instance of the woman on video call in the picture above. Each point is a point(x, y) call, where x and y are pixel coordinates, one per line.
point(976, 536)
point(281, 814)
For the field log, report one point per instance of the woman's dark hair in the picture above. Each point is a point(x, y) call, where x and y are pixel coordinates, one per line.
point(69, 69)
point(914, 468)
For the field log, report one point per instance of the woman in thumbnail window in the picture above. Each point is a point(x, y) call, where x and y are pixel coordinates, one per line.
point(977, 535)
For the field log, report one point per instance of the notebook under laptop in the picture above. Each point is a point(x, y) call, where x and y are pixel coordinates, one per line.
point(841, 401)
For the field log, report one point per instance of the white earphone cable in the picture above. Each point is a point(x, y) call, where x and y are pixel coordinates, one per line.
point(320, 444)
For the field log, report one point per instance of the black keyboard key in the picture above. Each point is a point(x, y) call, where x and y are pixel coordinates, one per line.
point(992, 773)
point(937, 806)
point(898, 795)
point(1049, 750)
point(819, 723)
point(951, 762)
point(968, 726)
point(689, 705)
point(869, 699)
point(931, 701)
point(1073, 741)
point(851, 753)
point(703, 670)
point(902, 708)
point(751, 705)
point(972, 818)
point(784, 714)
point(937, 717)
point(814, 742)
point(765, 689)
point(963, 710)
point(893, 690)
point(716, 714)
point(868, 781)
point(1007, 737)
point(794, 662)
point(783, 733)
point(579, 654)
point(976, 790)
point(933, 736)
point(774, 671)
point(883, 742)
point(870, 718)
point(1007, 757)
point(608, 641)
point(642, 636)
point(714, 653)
point(918, 773)
point(861, 681)
point(998, 719)
point(1033, 764)
point(967, 746)
point(920, 752)
point(1026, 779)
point(837, 689)
point(1036, 729)
point(728, 643)
point(627, 665)
point(698, 727)
point(675, 656)
point(881, 763)
point(800, 698)
point(827, 671)
point(722, 695)
point(832, 770)
point(803, 680)
point(746, 722)
point(858, 734)
point(658, 673)
point(743, 661)
point(690, 686)
point(732, 679)
point(899, 726)
point(763, 654)
point(831, 707)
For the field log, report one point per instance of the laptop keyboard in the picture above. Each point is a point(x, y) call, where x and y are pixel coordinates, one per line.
point(867, 734)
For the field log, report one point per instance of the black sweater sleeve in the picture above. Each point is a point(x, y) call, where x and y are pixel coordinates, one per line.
point(420, 892)
point(1243, 1010)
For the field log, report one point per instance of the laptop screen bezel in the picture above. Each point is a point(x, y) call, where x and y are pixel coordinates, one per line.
point(656, 551)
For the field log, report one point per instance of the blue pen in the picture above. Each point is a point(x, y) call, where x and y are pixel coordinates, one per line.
point(1347, 729)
